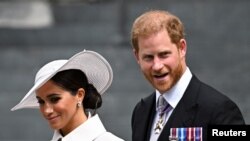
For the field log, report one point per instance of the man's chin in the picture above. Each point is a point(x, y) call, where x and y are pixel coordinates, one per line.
point(163, 89)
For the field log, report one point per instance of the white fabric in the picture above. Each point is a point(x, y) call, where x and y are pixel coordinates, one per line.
point(90, 130)
point(173, 96)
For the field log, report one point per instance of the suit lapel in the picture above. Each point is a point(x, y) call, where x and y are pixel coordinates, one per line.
point(151, 117)
point(185, 111)
point(147, 113)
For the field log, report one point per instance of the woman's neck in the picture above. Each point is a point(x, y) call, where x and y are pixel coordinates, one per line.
point(78, 118)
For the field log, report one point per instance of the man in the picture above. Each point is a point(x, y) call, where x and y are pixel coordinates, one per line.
point(160, 48)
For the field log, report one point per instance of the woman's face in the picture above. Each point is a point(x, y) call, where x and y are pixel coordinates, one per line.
point(59, 106)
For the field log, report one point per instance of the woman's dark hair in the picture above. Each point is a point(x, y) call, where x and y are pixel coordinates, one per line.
point(74, 79)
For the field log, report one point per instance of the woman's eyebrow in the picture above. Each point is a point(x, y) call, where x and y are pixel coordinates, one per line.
point(52, 95)
point(49, 96)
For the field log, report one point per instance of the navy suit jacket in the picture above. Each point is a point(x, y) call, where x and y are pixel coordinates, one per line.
point(200, 106)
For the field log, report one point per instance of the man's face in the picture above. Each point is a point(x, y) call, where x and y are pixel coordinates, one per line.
point(161, 61)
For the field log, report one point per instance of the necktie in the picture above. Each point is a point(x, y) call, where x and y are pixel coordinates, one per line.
point(162, 108)
point(59, 139)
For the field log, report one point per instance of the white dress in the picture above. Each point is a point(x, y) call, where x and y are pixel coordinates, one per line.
point(90, 130)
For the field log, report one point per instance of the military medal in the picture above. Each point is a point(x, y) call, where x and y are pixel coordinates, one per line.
point(159, 126)
point(187, 134)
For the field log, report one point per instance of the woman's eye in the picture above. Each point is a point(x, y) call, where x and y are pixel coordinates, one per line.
point(40, 102)
point(54, 100)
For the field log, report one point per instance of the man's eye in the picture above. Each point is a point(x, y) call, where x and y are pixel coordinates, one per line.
point(164, 54)
point(54, 100)
point(147, 58)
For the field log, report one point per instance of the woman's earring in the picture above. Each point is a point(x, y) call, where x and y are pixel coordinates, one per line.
point(79, 104)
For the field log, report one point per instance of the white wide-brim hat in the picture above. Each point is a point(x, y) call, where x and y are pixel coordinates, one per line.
point(97, 69)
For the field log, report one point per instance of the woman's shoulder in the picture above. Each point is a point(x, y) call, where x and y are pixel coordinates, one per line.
point(107, 136)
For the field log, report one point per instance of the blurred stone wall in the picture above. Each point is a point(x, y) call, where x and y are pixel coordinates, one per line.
point(218, 51)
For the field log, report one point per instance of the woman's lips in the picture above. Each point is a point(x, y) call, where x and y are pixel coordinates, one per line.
point(52, 118)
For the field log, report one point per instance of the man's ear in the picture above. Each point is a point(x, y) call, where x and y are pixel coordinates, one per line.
point(136, 55)
point(183, 48)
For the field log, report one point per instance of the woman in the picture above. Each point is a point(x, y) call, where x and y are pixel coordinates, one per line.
point(64, 90)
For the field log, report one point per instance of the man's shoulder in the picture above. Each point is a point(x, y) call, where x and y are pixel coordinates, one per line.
point(145, 102)
point(206, 90)
point(211, 95)
point(210, 92)
point(147, 99)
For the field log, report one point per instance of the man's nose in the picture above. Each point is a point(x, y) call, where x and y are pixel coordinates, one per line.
point(157, 64)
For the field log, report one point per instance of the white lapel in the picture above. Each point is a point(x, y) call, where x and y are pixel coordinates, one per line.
point(88, 131)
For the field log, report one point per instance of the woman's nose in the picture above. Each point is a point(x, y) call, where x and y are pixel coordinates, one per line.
point(48, 108)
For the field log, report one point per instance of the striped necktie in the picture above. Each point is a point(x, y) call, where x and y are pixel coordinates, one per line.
point(162, 108)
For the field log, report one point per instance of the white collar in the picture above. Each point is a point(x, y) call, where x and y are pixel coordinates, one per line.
point(87, 131)
point(174, 95)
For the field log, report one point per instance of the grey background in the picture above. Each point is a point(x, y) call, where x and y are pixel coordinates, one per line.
point(218, 41)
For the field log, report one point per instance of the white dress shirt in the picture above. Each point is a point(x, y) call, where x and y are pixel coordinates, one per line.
point(173, 96)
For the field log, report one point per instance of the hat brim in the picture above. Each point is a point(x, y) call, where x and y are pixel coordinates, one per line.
point(97, 69)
